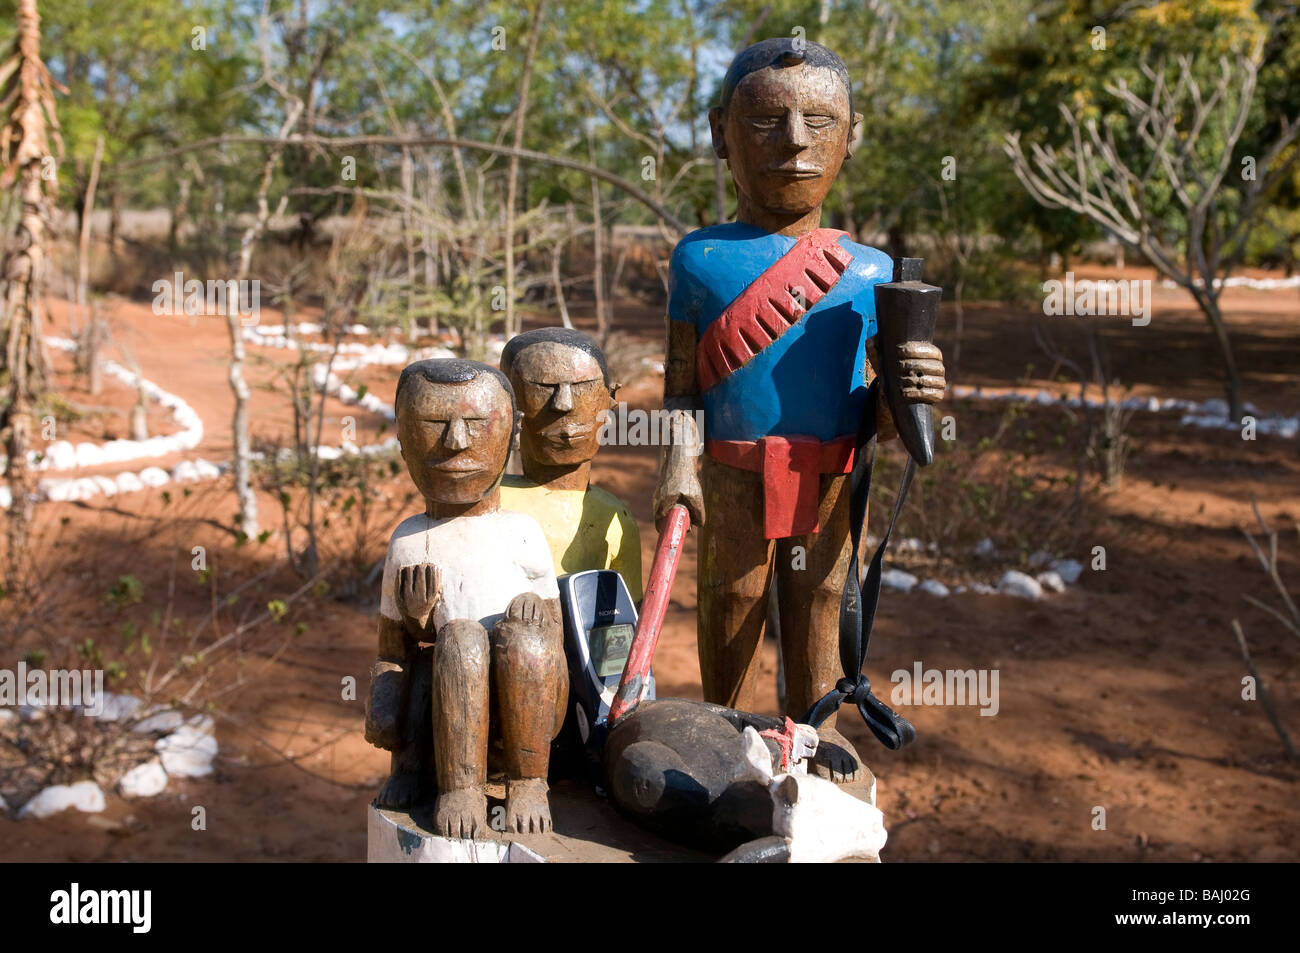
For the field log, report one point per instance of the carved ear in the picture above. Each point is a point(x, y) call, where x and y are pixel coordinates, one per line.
point(787, 791)
point(758, 760)
point(717, 126)
point(855, 135)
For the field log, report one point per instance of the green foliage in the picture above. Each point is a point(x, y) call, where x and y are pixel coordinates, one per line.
point(127, 591)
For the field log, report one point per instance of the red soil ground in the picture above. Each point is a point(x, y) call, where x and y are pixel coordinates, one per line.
point(1124, 693)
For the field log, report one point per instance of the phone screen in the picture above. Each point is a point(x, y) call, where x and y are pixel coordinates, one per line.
point(610, 645)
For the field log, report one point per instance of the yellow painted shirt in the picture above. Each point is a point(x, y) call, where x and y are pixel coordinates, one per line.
point(585, 530)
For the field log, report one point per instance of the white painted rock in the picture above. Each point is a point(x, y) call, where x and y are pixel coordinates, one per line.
point(986, 548)
point(897, 579)
point(85, 796)
point(60, 455)
point(160, 723)
point(1051, 581)
point(4, 805)
point(934, 587)
point(185, 472)
point(128, 482)
point(983, 589)
point(1040, 559)
point(203, 724)
point(154, 476)
point(6, 716)
point(206, 469)
point(1068, 569)
point(1014, 583)
point(116, 707)
point(187, 753)
point(144, 780)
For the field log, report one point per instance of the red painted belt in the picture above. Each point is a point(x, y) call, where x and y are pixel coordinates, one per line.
point(791, 467)
point(772, 304)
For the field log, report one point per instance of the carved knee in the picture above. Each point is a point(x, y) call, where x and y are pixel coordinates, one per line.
point(462, 643)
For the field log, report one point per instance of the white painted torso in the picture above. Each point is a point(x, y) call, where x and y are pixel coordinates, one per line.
point(485, 560)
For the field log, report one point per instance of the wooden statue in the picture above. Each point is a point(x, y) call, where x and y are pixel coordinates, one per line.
point(769, 321)
point(477, 583)
point(561, 380)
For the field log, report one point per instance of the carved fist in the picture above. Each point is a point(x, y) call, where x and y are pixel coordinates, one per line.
point(419, 593)
point(678, 481)
point(921, 373)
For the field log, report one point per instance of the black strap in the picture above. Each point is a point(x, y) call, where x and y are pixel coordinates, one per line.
point(861, 596)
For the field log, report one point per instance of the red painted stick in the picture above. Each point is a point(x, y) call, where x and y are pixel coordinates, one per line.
point(636, 672)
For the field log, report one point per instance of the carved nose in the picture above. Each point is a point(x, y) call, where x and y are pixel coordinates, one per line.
point(563, 399)
point(796, 133)
point(457, 437)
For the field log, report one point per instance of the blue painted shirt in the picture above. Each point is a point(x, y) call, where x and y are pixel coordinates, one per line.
point(810, 380)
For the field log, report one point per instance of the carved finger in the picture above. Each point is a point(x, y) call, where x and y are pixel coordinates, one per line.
point(435, 588)
point(919, 349)
point(926, 393)
point(917, 365)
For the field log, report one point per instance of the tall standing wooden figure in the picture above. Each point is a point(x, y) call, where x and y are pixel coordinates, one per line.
point(473, 584)
point(769, 323)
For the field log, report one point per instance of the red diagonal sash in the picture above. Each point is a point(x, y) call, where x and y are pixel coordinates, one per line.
point(769, 306)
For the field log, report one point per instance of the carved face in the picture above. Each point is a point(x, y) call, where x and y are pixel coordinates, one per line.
point(785, 134)
point(455, 437)
point(561, 393)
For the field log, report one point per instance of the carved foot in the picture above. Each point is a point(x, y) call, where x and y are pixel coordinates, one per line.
point(836, 758)
point(461, 813)
point(528, 807)
point(400, 791)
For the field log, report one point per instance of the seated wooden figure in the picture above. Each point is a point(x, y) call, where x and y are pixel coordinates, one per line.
point(477, 583)
point(561, 381)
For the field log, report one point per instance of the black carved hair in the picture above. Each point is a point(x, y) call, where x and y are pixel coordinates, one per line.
point(780, 51)
point(569, 337)
point(450, 370)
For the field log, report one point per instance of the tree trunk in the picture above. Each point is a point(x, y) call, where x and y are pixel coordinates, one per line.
point(598, 250)
point(23, 371)
point(513, 175)
point(1209, 302)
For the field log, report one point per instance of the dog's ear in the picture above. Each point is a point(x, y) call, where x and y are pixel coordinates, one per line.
point(786, 791)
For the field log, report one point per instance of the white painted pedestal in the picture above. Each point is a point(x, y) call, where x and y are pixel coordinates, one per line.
point(395, 837)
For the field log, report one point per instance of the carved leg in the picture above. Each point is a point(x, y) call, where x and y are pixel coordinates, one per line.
point(531, 690)
point(734, 574)
point(809, 600)
point(460, 728)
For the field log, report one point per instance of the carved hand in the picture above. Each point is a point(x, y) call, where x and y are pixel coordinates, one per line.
point(528, 607)
point(419, 593)
point(679, 482)
point(921, 372)
point(386, 682)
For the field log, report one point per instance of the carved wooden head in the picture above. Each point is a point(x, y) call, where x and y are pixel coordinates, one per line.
point(562, 383)
point(455, 420)
point(786, 124)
